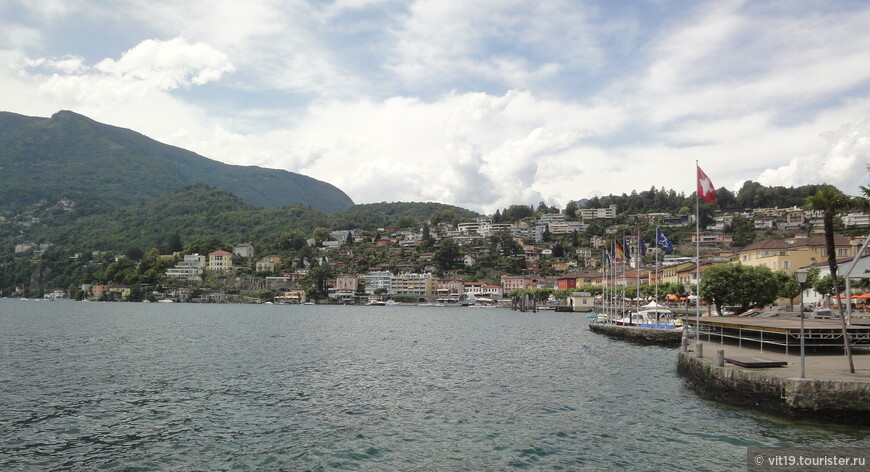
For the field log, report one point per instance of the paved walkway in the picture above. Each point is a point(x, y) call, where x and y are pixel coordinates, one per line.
point(830, 365)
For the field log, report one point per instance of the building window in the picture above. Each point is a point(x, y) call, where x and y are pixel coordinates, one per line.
point(842, 252)
point(786, 265)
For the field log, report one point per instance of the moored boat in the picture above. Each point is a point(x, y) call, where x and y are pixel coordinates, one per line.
point(652, 315)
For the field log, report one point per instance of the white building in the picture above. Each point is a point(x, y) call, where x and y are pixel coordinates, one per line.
point(245, 250)
point(190, 268)
point(598, 213)
point(856, 219)
point(377, 279)
point(412, 284)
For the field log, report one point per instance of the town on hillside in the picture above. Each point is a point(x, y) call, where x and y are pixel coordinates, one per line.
point(477, 261)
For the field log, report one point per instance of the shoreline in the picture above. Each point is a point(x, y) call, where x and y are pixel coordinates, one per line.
point(829, 392)
point(637, 335)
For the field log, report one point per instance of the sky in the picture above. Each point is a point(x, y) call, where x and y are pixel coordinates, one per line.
point(476, 103)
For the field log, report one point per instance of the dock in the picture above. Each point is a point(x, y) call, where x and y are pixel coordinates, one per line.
point(638, 335)
point(765, 333)
point(760, 366)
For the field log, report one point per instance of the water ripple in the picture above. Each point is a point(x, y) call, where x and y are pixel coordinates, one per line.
point(146, 387)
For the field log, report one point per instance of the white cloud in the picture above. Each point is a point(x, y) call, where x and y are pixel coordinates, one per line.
point(442, 42)
point(844, 164)
point(482, 104)
point(167, 65)
point(16, 37)
point(475, 150)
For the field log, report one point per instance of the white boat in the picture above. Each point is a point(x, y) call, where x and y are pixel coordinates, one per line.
point(376, 303)
point(392, 303)
point(652, 315)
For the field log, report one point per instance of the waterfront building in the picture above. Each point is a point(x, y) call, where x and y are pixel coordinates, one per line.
point(219, 260)
point(790, 254)
point(451, 287)
point(377, 279)
point(518, 282)
point(268, 263)
point(190, 268)
point(676, 273)
point(474, 288)
point(345, 288)
point(413, 284)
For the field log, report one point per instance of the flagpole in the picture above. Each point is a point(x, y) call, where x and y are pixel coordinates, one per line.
point(697, 260)
point(637, 270)
point(622, 304)
point(657, 265)
point(604, 263)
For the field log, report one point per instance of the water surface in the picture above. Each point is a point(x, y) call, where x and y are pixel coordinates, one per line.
point(121, 386)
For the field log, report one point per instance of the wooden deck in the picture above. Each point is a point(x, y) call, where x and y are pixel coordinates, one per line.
point(785, 332)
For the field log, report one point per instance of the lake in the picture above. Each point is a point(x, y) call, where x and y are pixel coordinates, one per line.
point(139, 386)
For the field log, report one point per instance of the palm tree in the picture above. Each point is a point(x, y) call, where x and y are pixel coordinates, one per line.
point(830, 200)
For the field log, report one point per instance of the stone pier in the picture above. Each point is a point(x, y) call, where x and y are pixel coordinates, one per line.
point(648, 336)
point(829, 391)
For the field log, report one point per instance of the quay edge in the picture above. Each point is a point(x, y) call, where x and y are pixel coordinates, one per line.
point(841, 401)
point(646, 336)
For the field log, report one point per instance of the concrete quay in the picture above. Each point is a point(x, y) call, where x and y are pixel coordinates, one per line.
point(646, 336)
point(829, 391)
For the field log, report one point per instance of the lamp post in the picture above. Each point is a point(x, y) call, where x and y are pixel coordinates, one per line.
point(801, 277)
point(688, 289)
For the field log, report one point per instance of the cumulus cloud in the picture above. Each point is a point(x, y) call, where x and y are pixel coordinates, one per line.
point(844, 164)
point(167, 65)
point(472, 43)
point(481, 104)
point(477, 150)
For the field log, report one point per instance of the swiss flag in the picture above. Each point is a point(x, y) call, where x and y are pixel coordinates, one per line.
point(705, 188)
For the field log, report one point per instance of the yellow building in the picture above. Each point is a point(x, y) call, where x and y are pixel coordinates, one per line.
point(789, 255)
point(672, 274)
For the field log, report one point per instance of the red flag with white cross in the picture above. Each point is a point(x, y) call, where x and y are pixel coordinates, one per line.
point(705, 187)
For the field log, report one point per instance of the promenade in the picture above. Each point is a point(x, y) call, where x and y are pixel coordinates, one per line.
point(829, 391)
point(829, 364)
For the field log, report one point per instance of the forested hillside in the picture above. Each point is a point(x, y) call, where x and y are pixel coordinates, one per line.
point(201, 211)
point(86, 167)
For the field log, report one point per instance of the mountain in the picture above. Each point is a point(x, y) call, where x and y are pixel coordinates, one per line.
point(93, 167)
point(201, 211)
point(194, 212)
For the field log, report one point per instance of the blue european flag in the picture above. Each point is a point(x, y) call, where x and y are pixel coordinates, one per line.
point(664, 241)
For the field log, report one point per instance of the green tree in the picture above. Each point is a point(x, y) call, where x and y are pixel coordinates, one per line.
point(296, 240)
point(175, 244)
point(320, 234)
point(444, 216)
point(516, 213)
point(737, 284)
point(824, 286)
point(788, 287)
point(742, 231)
point(426, 238)
point(571, 210)
point(829, 200)
point(408, 222)
point(446, 254)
